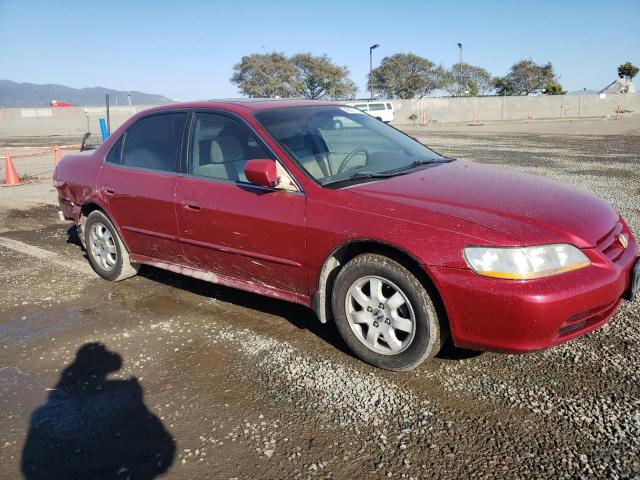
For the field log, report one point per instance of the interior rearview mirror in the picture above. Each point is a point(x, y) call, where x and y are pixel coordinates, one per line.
point(324, 122)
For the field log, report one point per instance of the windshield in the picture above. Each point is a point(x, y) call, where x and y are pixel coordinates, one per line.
point(334, 143)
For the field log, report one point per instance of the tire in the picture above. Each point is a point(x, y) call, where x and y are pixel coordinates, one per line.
point(369, 323)
point(106, 252)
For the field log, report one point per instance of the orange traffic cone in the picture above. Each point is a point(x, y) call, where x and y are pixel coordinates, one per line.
point(10, 175)
point(57, 155)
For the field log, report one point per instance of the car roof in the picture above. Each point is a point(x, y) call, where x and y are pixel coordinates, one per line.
point(247, 104)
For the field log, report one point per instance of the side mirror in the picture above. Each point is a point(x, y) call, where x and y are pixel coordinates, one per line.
point(262, 172)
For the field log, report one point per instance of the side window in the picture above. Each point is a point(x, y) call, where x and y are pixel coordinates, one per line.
point(361, 106)
point(154, 142)
point(221, 146)
point(376, 106)
point(115, 152)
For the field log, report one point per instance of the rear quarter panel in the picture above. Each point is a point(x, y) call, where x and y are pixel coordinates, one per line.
point(75, 178)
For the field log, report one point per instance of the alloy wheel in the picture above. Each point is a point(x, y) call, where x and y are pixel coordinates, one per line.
point(103, 246)
point(380, 315)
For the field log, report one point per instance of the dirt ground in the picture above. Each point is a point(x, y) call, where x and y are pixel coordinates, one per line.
point(163, 374)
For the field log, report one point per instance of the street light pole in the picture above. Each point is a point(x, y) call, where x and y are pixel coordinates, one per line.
point(371, 49)
point(460, 72)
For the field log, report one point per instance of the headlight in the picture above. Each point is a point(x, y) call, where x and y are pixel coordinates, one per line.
point(525, 263)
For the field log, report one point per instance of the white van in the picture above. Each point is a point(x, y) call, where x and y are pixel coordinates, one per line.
point(380, 109)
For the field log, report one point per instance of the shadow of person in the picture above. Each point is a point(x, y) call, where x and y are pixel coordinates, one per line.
point(96, 428)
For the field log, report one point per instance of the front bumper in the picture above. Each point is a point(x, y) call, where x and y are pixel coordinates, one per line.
point(521, 316)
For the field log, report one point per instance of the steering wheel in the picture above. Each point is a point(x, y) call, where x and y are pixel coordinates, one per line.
point(348, 158)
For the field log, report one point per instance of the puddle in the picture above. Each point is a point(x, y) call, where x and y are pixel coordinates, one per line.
point(131, 300)
point(33, 325)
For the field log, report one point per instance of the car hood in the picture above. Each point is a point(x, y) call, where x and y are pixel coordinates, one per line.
point(528, 209)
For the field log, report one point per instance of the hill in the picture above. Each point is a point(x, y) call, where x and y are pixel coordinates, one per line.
point(13, 94)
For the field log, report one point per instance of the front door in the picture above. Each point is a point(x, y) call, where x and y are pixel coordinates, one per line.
point(229, 226)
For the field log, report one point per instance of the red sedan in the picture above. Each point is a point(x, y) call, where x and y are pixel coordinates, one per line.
point(320, 204)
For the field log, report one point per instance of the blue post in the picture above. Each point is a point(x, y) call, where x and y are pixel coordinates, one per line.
point(103, 129)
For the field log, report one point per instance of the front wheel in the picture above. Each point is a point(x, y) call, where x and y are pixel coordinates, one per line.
point(385, 314)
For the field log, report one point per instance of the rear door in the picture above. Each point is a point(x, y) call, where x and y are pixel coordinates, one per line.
point(138, 180)
point(229, 226)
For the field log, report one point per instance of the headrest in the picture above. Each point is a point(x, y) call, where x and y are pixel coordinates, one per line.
point(226, 149)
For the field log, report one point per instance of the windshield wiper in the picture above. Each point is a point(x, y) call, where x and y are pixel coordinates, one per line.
point(361, 175)
point(417, 163)
point(389, 173)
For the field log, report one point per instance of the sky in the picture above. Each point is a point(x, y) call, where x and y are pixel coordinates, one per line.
point(186, 49)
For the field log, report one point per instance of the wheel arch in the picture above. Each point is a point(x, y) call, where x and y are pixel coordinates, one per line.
point(343, 253)
point(91, 206)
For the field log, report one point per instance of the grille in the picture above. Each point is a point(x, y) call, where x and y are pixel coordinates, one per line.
point(610, 244)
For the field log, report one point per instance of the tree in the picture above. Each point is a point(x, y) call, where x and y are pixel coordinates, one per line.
point(524, 78)
point(553, 88)
point(320, 77)
point(468, 80)
point(266, 75)
point(627, 70)
point(503, 86)
point(405, 75)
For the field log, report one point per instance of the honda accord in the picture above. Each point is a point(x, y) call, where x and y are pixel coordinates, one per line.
point(321, 204)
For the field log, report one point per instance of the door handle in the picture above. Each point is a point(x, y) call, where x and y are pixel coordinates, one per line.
point(109, 190)
point(190, 205)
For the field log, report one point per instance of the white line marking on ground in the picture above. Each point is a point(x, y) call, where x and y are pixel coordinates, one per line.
point(48, 255)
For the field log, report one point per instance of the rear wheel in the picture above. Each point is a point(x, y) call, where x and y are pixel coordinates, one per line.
point(385, 314)
point(107, 254)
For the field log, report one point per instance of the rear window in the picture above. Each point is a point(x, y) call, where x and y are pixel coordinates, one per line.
point(153, 142)
point(389, 107)
point(376, 106)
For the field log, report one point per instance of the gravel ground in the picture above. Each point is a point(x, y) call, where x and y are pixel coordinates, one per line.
point(240, 386)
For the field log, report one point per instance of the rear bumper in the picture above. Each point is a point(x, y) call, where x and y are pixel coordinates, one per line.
point(523, 316)
point(68, 209)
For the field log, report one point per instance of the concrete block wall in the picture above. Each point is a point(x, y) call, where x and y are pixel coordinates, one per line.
point(64, 121)
point(73, 121)
point(512, 108)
